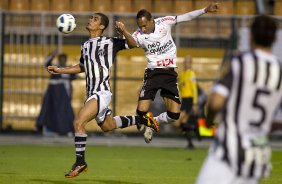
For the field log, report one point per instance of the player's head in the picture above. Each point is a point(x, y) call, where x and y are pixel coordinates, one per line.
point(187, 62)
point(62, 59)
point(263, 31)
point(145, 21)
point(98, 21)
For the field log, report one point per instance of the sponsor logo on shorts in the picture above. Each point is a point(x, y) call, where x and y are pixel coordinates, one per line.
point(142, 93)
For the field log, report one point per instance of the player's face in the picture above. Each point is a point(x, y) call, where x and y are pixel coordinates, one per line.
point(146, 26)
point(94, 23)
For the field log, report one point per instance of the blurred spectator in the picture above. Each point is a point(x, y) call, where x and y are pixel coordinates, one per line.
point(189, 95)
point(56, 115)
point(191, 127)
point(202, 100)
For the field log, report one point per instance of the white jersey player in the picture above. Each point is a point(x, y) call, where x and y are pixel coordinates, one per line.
point(154, 36)
point(247, 94)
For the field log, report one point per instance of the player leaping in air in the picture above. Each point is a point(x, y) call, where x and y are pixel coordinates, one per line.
point(97, 56)
point(154, 36)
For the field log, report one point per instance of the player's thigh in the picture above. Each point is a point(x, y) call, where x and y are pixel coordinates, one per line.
point(88, 111)
point(172, 105)
point(215, 171)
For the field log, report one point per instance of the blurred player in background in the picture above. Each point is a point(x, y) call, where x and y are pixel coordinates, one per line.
point(248, 94)
point(56, 114)
point(97, 57)
point(154, 36)
point(187, 83)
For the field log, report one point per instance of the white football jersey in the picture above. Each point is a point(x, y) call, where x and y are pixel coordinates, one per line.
point(159, 46)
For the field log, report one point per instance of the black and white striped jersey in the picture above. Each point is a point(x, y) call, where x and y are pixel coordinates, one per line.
point(97, 57)
point(252, 85)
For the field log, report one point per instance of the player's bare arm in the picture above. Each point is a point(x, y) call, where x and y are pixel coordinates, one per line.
point(121, 29)
point(215, 104)
point(67, 70)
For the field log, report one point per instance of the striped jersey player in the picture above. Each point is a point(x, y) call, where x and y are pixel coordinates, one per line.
point(248, 94)
point(97, 57)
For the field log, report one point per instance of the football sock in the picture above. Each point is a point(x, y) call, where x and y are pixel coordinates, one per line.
point(163, 118)
point(80, 143)
point(126, 121)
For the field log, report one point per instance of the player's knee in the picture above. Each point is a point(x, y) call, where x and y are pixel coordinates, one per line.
point(173, 116)
point(140, 112)
point(78, 124)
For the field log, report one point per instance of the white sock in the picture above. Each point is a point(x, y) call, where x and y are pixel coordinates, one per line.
point(118, 121)
point(163, 118)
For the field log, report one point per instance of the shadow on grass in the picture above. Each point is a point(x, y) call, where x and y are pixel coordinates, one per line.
point(9, 173)
point(101, 181)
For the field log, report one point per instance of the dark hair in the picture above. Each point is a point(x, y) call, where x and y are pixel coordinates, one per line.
point(144, 13)
point(104, 19)
point(263, 30)
point(62, 56)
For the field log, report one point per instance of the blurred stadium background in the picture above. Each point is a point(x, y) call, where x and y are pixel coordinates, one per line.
point(28, 35)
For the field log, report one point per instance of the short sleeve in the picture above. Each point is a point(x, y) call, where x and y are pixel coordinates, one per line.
point(136, 37)
point(119, 44)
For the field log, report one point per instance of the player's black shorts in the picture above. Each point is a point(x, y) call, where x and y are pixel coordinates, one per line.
point(164, 79)
point(186, 104)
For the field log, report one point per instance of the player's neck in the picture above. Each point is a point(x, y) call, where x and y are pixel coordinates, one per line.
point(94, 34)
point(264, 49)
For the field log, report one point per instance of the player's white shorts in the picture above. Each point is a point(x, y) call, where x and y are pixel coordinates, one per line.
point(216, 171)
point(104, 99)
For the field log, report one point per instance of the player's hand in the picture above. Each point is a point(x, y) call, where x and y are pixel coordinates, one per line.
point(212, 8)
point(53, 69)
point(120, 28)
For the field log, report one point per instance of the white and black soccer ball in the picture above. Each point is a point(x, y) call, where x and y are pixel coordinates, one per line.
point(66, 23)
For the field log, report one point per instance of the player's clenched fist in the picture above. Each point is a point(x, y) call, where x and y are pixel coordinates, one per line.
point(53, 69)
point(120, 27)
point(213, 7)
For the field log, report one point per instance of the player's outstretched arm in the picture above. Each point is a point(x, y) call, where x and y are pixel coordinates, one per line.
point(67, 70)
point(212, 8)
point(121, 29)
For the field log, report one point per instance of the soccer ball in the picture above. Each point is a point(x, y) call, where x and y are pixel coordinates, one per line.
point(66, 23)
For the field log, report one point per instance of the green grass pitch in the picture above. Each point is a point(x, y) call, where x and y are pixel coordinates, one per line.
point(108, 165)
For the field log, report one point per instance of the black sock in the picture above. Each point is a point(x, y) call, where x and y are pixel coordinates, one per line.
point(80, 143)
point(140, 119)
